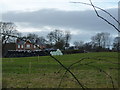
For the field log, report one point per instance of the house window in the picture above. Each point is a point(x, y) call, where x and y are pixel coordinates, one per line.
point(28, 46)
point(18, 46)
point(21, 46)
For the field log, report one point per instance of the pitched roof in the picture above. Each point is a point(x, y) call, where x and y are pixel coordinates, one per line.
point(31, 40)
point(20, 42)
point(37, 42)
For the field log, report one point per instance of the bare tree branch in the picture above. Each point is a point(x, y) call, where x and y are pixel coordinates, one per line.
point(103, 17)
point(24, 39)
point(101, 10)
point(101, 70)
point(69, 68)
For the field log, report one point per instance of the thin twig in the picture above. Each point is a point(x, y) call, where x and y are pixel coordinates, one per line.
point(96, 58)
point(24, 39)
point(100, 9)
point(103, 17)
point(69, 68)
point(101, 70)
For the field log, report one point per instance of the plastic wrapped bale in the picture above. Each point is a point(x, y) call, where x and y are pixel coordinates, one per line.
point(51, 53)
point(58, 52)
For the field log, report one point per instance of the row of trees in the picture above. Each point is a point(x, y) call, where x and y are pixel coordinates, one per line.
point(60, 39)
point(99, 42)
point(56, 38)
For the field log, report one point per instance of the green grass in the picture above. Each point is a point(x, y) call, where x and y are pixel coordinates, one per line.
point(44, 72)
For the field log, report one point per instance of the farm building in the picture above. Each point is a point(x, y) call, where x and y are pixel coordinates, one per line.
point(23, 48)
point(22, 45)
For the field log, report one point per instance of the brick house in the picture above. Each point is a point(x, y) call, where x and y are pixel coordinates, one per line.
point(22, 45)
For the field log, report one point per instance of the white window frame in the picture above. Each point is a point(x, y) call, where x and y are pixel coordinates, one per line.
point(18, 46)
point(28, 46)
point(22, 46)
point(34, 46)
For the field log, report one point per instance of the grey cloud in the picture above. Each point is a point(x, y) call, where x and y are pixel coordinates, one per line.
point(86, 21)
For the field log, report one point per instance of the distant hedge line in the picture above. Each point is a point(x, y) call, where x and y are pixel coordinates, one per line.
point(37, 53)
point(72, 51)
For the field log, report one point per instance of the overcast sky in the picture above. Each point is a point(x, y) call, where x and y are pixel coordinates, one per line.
point(43, 16)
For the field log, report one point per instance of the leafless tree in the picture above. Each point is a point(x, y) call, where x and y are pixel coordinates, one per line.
point(79, 44)
point(105, 40)
point(116, 43)
point(55, 36)
point(59, 39)
point(8, 28)
point(101, 39)
point(50, 38)
point(67, 38)
point(32, 36)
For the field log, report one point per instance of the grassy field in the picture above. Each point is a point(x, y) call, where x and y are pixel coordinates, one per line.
point(44, 72)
